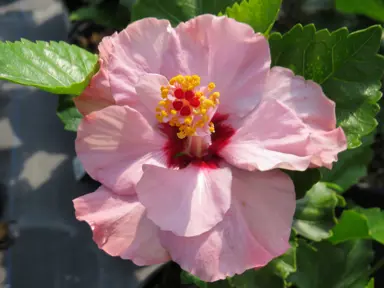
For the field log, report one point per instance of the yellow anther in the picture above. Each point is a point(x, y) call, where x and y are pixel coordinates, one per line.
point(188, 120)
point(174, 121)
point(158, 109)
point(181, 135)
point(159, 117)
point(166, 104)
point(200, 124)
point(199, 94)
point(216, 95)
point(203, 111)
point(211, 127)
point(205, 118)
point(164, 114)
point(185, 86)
point(173, 112)
point(211, 86)
point(196, 80)
point(208, 103)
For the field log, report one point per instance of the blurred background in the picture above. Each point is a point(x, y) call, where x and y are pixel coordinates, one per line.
point(38, 174)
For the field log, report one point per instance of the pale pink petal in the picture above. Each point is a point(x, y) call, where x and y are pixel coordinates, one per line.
point(255, 229)
point(273, 136)
point(187, 202)
point(148, 91)
point(223, 51)
point(138, 49)
point(106, 47)
point(304, 97)
point(114, 143)
point(124, 58)
point(98, 95)
point(120, 226)
point(325, 146)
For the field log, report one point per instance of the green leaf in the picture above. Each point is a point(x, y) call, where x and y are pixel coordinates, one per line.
point(260, 278)
point(260, 14)
point(68, 113)
point(187, 278)
point(371, 284)
point(371, 8)
point(359, 223)
point(304, 180)
point(347, 67)
point(177, 11)
point(315, 213)
point(107, 14)
point(286, 264)
point(324, 265)
point(127, 3)
point(55, 67)
point(351, 166)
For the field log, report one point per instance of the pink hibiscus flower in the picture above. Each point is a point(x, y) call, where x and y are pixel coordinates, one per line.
point(185, 129)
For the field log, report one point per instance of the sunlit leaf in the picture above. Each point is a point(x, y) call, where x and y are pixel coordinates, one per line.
point(359, 223)
point(55, 67)
point(260, 14)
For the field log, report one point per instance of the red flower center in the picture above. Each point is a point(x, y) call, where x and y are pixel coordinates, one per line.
point(175, 147)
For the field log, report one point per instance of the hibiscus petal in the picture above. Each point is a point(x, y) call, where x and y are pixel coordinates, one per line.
point(148, 91)
point(273, 136)
point(255, 230)
point(187, 202)
point(114, 143)
point(120, 226)
point(224, 51)
point(138, 50)
point(98, 95)
point(305, 97)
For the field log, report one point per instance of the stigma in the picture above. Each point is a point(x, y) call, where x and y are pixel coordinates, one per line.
point(188, 106)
